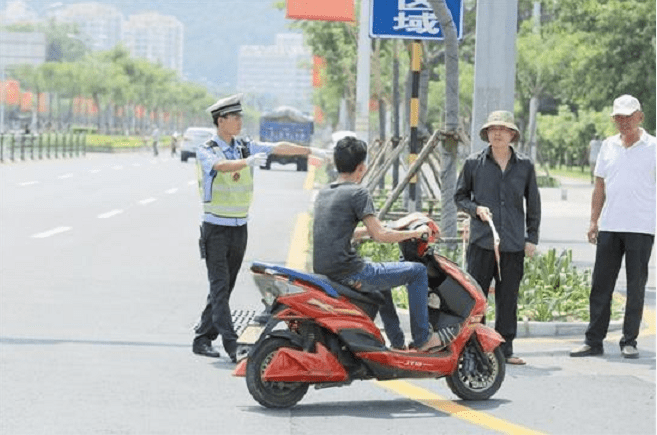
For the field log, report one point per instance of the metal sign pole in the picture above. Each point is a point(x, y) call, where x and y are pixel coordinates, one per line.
point(416, 61)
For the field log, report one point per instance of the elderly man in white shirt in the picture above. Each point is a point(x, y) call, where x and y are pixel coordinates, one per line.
point(622, 225)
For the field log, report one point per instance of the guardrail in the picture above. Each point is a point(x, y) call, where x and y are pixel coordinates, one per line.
point(39, 146)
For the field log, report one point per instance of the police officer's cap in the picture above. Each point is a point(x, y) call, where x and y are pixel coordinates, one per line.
point(226, 105)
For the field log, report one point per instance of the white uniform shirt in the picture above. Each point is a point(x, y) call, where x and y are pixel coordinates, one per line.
point(630, 193)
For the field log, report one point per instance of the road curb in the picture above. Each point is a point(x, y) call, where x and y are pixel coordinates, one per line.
point(526, 329)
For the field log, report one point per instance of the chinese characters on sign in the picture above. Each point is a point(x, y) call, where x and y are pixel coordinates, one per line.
point(411, 19)
point(416, 16)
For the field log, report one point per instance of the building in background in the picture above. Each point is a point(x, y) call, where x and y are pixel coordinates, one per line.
point(156, 38)
point(18, 48)
point(277, 75)
point(100, 25)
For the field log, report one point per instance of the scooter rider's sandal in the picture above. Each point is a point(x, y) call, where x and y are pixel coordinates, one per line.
point(433, 344)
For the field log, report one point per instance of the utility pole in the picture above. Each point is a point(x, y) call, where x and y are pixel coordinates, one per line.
point(495, 62)
point(363, 74)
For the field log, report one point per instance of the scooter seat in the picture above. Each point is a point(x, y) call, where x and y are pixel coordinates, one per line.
point(374, 298)
point(330, 287)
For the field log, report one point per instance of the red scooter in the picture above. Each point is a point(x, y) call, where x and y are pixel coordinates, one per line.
point(322, 333)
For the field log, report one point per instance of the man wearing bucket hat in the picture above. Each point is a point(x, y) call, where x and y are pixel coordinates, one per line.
point(622, 225)
point(225, 172)
point(499, 184)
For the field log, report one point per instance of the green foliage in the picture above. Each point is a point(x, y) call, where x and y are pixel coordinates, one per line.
point(552, 289)
point(617, 52)
point(113, 78)
point(564, 138)
point(546, 181)
point(99, 140)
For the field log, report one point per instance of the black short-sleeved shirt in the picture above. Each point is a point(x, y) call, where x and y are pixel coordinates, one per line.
point(512, 196)
point(338, 210)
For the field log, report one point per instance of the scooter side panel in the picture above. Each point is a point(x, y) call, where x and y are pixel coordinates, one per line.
point(394, 364)
point(292, 365)
point(488, 337)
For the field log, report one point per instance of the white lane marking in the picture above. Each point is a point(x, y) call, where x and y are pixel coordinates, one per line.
point(170, 191)
point(94, 171)
point(117, 167)
point(69, 175)
point(136, 165)
point(28, 183)
point(191, 182)
point(147, 201)
point(50, 232)
point(109, 214)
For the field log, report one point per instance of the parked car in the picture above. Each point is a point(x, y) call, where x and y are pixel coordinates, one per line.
point(192, 138)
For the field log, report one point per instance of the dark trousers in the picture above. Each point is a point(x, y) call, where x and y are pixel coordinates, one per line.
point(611, 248)
point(225, 247)
point(390, 319)
point(483, 268)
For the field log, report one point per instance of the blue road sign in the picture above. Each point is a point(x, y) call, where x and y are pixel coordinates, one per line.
point(411, 19)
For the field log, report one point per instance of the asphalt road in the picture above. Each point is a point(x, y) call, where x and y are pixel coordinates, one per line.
point(101, 284)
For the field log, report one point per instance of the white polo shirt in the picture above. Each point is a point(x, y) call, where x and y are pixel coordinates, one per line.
point(630, 180)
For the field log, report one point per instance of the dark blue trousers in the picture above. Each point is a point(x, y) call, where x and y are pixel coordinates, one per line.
point(611, 248)
point(225, 247)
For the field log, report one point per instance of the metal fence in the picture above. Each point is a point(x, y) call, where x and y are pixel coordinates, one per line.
point(42, 146)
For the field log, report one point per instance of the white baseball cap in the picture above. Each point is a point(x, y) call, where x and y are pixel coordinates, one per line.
point(625, 105)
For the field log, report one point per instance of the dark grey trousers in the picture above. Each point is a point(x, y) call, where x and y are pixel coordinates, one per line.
point(225, 247)
point(611, 248)
point(483, 268)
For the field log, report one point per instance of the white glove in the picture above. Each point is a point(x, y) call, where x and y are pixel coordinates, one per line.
point(255, 160)
point(319, 153)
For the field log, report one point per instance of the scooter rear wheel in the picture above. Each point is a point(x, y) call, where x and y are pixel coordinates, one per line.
point(474, 379)
point(271, 394)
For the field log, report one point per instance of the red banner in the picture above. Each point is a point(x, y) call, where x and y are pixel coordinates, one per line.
point(26, 101)
point(319, 66)
point(12, 92)
point(42, 99)
point(319, 115)
point(321, 10)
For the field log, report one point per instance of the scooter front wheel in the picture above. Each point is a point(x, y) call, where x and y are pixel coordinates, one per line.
point(475, 379)
point(271, 394)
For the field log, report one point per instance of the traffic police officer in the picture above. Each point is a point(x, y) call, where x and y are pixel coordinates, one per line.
point(226, 185)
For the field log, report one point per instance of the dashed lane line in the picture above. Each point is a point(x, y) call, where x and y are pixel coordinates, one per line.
point(64, 176)
point(28, 183)
point(110, 214)
point(147, 201)
point(52, 232)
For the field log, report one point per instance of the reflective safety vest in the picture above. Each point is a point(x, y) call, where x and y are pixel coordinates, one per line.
point(230, 193)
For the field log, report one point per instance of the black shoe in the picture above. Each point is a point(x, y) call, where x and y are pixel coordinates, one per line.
point(231, 349)
point(586, 350)
point(205, 349)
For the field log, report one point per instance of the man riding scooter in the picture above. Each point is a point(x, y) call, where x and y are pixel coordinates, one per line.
point(338, 209)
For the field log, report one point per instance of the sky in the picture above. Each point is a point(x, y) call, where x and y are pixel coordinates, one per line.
point(214, 30)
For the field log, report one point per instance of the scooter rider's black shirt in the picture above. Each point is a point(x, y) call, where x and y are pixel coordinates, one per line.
point(338, 210)
point(482, 183)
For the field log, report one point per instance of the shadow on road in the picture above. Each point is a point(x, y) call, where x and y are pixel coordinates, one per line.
point(379, 409)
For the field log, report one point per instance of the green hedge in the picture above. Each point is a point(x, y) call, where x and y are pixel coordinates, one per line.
point(552, 289)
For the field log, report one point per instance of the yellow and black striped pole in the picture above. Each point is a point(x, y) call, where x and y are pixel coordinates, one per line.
point(416, 60)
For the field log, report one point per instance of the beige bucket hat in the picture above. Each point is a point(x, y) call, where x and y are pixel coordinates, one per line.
point(503, 118)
